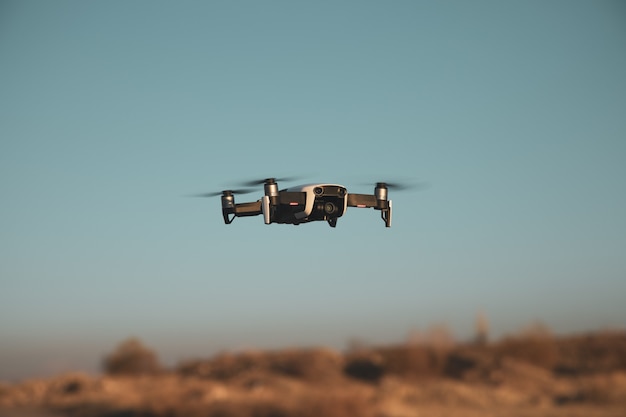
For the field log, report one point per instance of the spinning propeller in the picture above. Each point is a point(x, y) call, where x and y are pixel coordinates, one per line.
point(265, 180)
point(246, 184)
point(400, 185)
point(218, 193)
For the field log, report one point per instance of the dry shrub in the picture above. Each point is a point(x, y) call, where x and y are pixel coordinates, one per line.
point(424, 355)
point(592, 353)
point(221, 367)
point(414, 361)
point(131, 358)
point(308, 364)
point(228, 365)
point(459, 364)
point(534, 345)
point(365, 365)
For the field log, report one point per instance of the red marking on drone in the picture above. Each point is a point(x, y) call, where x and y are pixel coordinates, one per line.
point(361, 205)
point(293, 204)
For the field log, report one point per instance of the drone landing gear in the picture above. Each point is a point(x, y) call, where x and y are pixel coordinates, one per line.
point(332, 222)
point(385, 214)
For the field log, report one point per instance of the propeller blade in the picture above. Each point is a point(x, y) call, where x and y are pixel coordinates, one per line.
point(401, 185)
point(218, 193)
point(261, 182)
point(215, 194)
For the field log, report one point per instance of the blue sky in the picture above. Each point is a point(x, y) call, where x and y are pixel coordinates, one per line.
point(112, 112)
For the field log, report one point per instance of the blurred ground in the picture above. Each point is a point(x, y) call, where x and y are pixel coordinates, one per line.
point(528, 375)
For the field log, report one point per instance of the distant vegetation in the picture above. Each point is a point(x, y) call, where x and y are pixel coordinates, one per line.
point(430, 374)
point(131, 358)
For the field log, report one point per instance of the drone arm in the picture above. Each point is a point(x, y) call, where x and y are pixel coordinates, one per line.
point(230, 210)
point(292, 198)
point(362, 200)
point(247, 209)
point(370, 201)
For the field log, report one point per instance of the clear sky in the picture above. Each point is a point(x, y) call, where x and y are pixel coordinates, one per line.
point(111, 112)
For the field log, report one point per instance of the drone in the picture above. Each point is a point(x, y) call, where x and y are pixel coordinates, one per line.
point(304, 203)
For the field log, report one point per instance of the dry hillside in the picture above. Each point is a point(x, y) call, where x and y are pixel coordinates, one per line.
point(528, 375)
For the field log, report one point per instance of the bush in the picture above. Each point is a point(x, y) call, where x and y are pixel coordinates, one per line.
point(534, 345)
point(131, 358)
point(414, 361)
point(308, 364)
point(367, 367)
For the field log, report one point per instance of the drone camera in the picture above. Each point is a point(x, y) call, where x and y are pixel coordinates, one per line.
point(328, 208)
point(329, 203)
